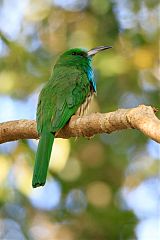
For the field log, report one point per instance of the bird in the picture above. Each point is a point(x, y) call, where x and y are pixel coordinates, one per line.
point(68, 92)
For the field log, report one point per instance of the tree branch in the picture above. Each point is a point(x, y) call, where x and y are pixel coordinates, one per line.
point(142, 118)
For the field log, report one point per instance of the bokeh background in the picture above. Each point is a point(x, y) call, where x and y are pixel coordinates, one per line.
point(105, 188)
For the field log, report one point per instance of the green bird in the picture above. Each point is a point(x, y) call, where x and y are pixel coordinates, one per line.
point(69, 91)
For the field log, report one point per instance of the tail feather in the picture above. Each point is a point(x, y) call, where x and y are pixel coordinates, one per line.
point(42, 159)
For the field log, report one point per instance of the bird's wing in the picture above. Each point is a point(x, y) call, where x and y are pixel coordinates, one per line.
point(46, 107)
point(60, 98)
point(72, 93)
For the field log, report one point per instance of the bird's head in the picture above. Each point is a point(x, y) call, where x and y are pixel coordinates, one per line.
point(79, 54)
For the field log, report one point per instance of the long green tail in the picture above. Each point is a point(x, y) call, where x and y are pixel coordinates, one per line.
point(42, 159)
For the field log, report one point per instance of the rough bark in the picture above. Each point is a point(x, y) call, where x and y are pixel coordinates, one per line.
point(142, 118)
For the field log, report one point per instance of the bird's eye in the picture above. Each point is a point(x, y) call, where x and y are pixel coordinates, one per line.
point(78, 54)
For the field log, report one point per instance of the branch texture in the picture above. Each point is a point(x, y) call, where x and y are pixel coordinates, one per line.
point(142, 118)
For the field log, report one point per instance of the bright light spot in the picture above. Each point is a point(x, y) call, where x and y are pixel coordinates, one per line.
point(43, 228)
point(37, 10)
point(23, 174)
point(4, 166)
point(41, 232)
point(143, 200)
point(60, 153)
point(99, 194)
point(76, 201)
point(7, 79)
point(154, 149)
point(143, 58)
point(14, 109)
point(33, 144)
point(11, 23)
point(71, 171)
point(46, 197)
point(123, 11)
point(140, 161)
point(149, 229)
point(7, 104)
point(71, 5)
point(148, 18)
point(8, 147)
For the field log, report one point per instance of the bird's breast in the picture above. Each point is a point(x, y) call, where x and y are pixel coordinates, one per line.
point(82, 110)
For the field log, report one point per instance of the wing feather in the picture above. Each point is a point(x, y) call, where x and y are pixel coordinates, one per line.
point(60, 98)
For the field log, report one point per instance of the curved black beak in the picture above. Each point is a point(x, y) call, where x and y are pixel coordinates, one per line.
point(95, 50)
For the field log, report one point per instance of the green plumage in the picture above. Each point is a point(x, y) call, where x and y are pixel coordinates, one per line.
point(71, 82)
point(43, 152)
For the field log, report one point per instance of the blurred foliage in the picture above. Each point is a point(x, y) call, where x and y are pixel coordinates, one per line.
point(83, 197)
